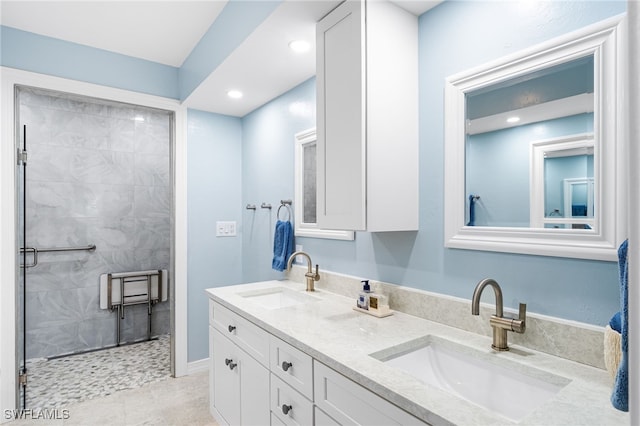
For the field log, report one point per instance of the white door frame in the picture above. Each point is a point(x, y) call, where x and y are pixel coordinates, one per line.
point(9, 78)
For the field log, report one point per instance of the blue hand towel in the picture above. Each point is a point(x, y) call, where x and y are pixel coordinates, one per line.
point(616, 322)
point(620, 395)
point(282, 245)
point(472, 210)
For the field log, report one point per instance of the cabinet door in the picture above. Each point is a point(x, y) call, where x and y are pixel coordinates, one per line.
point(341, 123)
point(240, 384)
point(226, 382)
point(254, 392)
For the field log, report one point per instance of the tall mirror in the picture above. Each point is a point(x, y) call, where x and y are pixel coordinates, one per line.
point(533, 150)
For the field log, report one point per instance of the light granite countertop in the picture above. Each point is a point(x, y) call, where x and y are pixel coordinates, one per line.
point(330, 331)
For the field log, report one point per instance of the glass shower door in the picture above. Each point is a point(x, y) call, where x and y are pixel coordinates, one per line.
point(23, 259)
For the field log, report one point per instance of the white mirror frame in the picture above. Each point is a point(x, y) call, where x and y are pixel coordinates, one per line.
point(537, 150)
point(603, 40)
point(301, 228)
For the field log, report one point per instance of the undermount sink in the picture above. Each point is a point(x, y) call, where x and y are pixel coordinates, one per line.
point(278, 297)
point(508, 388)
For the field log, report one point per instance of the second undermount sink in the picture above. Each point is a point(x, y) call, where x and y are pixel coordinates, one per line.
point(508, 388)
point(278, 297)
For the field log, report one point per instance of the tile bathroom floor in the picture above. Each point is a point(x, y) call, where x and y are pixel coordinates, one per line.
point(127, 385)
point(181, 401)
point(59, 382)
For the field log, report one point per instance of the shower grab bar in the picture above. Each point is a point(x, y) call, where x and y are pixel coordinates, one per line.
point(35, 252)
point(91, 247)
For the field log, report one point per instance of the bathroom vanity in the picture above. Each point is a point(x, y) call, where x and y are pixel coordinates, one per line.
point(280, 355)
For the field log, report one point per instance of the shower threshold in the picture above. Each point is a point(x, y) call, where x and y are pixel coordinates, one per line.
point(86, 351)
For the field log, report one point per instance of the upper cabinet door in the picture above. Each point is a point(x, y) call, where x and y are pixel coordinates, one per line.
point(367, 118)
point(341, 184)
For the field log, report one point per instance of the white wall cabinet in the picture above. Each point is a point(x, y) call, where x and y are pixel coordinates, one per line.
point(280, 384)
point(367, 118)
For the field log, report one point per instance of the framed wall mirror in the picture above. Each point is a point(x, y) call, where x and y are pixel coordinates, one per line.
point(534, 149)
point(305, 190)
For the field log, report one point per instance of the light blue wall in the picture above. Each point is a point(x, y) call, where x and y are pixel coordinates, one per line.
point(268, 171)
point(497, 168)
point(214, 180)
point(454, 36)
point(556, 170)
point(45, 55)
point(224, 174)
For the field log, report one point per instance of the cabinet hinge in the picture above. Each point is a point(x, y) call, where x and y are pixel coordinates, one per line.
point(22, 379)
point(22, 157)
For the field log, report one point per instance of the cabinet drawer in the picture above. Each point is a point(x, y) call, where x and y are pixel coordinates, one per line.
point(248, 336)
point(351, 404)
point(275, 421)
point(289, 405)
point(322, 419)
point(292, 366)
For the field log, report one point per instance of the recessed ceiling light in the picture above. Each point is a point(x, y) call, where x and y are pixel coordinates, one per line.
point(234, 94)
point(138, 118)
point(299, 46)
point(513, 119)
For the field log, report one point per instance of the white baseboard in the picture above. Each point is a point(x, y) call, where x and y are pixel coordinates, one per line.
point(198, 366)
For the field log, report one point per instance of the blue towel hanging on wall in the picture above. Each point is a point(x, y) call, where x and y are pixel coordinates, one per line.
point(472, 210)
point(620, 395)
point(282, 245)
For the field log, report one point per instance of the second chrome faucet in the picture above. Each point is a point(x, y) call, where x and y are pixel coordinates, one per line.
point(499, 323)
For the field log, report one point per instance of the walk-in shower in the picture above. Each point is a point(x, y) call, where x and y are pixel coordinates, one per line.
point(94, 198)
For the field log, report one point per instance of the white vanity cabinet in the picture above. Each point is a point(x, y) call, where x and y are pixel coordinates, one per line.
point(347, 403)
point(367, 118)
point(239, 382)
point(257, 378)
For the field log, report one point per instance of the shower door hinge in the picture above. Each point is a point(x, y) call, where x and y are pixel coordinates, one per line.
point(22, 157)
point(22, 379)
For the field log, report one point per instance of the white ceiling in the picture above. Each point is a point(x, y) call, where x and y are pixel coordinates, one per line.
point(166, 31)
point(159, 31)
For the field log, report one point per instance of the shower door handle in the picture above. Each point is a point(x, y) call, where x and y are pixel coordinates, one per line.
point(35, 257)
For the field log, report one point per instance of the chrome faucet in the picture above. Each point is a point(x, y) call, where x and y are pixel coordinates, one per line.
point(499, 323)
point(310, 275)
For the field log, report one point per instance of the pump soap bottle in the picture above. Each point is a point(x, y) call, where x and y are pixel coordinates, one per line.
point(363, 297)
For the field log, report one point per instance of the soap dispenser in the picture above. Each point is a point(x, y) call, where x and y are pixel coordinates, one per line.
point(363, 297)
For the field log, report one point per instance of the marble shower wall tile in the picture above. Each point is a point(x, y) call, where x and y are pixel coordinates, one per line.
point(572, 340)
point(98, 173)
point(62, 199)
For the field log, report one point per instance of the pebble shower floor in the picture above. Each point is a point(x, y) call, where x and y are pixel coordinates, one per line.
point(59, 382)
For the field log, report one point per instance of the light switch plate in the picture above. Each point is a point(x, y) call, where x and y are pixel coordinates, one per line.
point(226, 229)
